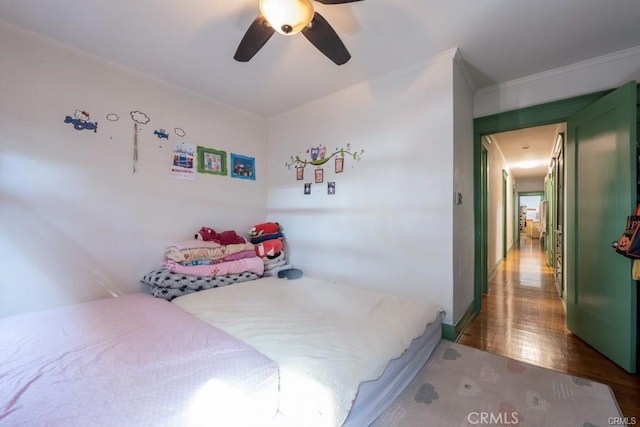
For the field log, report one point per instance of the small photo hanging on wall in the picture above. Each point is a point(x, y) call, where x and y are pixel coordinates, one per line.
point(212, 161)
point(339, 164)
point(243, 167)
point(307, 188)
point(300, 173)
point(331, 188)
point(319, 176)
point(182, 165)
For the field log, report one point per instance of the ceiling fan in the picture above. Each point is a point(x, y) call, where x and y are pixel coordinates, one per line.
point(291, 17)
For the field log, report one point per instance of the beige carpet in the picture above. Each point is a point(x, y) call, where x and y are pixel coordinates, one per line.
point(462, 386)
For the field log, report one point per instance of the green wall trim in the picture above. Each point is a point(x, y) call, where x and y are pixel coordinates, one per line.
point(505, 177)
point(454, 332)
point(537, 115)
point(448, 332)
point(543, 114)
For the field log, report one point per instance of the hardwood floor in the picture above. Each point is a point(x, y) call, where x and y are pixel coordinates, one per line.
point(523, 318)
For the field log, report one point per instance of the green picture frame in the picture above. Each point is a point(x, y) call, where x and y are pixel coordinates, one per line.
point(212, 161)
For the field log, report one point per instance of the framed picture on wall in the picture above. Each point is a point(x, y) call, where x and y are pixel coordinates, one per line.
point(339, 164)
point(307, 188)
point(212, 161)
point(299, 173)
point(331, 188)
point(319, 176)
point(243, 167)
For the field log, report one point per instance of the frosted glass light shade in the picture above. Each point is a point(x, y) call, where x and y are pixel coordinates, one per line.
point(287, 17)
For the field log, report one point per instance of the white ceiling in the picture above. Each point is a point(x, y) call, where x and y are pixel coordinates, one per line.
point(532, 145)
point(190, 43)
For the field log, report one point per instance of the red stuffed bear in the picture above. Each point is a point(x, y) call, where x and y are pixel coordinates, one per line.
point(225, 238)
point(207, 234)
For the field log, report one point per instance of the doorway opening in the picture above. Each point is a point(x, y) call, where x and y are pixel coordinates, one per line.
point(530, 215)
point(589, 131)
point(484, 127)
point(522, 191)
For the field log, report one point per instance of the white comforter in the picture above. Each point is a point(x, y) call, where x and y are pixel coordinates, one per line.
point(326, 338)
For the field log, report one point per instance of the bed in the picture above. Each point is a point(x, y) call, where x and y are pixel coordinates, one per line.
point(344, 353)
point(134, 360)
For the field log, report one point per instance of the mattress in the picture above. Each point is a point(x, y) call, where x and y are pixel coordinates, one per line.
point(374, 396)
point(134, 360)
point(326, 338)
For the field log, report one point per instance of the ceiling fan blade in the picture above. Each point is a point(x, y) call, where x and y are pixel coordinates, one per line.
point(336, 1)
point(257, 35)
point(326, 40)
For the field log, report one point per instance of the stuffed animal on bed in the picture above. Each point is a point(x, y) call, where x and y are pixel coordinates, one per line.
point(268, 248)
point(230, 237)
point(264, 228)
point(205, 233)
point(225, 238)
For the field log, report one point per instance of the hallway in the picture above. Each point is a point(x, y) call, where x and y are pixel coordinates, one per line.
point(523, 318)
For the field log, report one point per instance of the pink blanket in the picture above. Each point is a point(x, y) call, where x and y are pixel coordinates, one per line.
point(253, 264)
point(135, 360)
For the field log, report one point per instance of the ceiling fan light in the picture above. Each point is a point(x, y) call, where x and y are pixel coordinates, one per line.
point(287, 17)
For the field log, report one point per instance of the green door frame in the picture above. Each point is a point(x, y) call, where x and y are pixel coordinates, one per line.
point(515, 209)
point(505, 176)
point(538, 115)
point(484, 221)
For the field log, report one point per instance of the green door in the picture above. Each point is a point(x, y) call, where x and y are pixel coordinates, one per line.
point(601, 192)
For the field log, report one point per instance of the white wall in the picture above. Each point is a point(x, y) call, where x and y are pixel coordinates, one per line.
point(463, 213)
point(390, 224)
point(75, 222)
point(496, 206)
point(528, 185)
